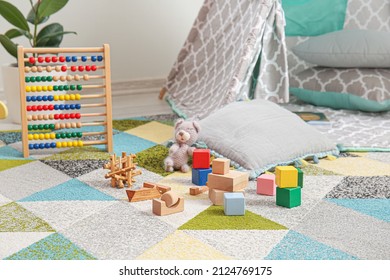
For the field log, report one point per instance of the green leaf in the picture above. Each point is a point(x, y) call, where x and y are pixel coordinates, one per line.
point(13, 15)
point(31, 16)
point(9, 46)
point(51, 35)
point(13, 33)
point(49, 7)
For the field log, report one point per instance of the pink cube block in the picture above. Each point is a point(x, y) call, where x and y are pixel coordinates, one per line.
point(266, 184)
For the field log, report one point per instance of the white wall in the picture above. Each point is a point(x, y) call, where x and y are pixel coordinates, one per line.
point(145, 36)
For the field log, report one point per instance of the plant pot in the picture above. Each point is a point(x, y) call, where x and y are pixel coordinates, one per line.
point(12, 90)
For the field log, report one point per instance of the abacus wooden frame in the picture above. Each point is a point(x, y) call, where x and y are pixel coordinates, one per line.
point(105, 49)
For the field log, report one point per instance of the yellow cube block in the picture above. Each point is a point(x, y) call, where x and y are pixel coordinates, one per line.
point(286, 176)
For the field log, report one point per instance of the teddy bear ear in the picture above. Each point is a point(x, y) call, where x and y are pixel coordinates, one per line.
point(178, 122)
point(196, 125)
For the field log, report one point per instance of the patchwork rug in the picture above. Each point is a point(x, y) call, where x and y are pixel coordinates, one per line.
point(60, 206)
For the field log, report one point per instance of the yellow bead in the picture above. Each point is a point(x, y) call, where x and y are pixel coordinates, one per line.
point(56, 98)
point(28, 88)
point(58, 145)
point(70, 144)
point(36, 136)
point(33, 88)
point(67, 97)
point(52, 135)
point(41, 136)
point(75, 143)
point(80, 143)
point(62, 97)
point(64, 144)
point(39, 88)
point(30, 137)
point(47, 136)
point(72, 97)
point(44, 88)
point(50, 88)
point(78, 96)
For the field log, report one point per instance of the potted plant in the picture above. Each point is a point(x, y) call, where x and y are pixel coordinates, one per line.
point(50, 35)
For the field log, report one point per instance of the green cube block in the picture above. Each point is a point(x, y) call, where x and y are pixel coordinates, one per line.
point(288, 197)
point(300, 178)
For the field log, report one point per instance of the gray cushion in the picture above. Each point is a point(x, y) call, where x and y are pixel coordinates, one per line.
point(258, 135)
point(347, 49)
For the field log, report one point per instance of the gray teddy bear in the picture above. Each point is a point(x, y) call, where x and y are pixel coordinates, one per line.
point(186, 134)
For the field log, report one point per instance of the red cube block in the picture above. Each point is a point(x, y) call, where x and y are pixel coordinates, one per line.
point(266, 184)
point(201, 158)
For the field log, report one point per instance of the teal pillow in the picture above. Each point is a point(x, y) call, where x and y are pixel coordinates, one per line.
point(353, 89)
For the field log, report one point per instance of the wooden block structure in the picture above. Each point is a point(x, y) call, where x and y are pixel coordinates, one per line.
point(75, 84)
point(234, 204)
point(221, 166)
point(289, 181)
point(199, 176)
point(200, 170)
point(201, 158)
point(266, 184)
point(217, 196)
point(122, 170)
point(169, 203)
point(198, 190)
point(148, 191)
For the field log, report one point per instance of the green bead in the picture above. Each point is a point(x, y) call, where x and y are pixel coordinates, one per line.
point(74, 134)
point(49, 78)
point(79, 87)
point(35, 127)
point(40, 126)
point(38, 79)
point(66, 87)
point(61, 87)
point(43, 78)
point(46, 126)
point(79, 134)
point(63, 135)
point(55, 88)
point(72, 87)
point(58, 135)
point(30, 127)
point(69, 135)
point(32, 79)
point(27, 79)
point(52, 126)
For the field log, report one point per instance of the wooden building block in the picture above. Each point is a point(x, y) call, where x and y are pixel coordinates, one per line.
point(266, 184)
point(159, 207)
point(221, 166)
point(216, 196)
point(170, 198)
point(199, 176)
point(198, 190)
point(149, 191)
point(231, 182)
point(201, 158)
point(288, 197)
point(300, 178)
point(286, 176)
point(234, 204)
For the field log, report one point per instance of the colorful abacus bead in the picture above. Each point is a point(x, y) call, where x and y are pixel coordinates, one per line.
point(74, 58)
point(54, 59)
point(100, 58)
point(47, 59)
point(61, 59)
point(31, 59)
point(93, 58)
point(41, 59)
point(93, 67)
point(83, 58)
point(68, 59)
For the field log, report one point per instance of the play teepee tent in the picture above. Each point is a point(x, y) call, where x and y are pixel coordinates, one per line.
point(235, 51)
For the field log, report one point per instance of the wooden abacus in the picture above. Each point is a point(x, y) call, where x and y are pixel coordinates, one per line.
point(38, 60)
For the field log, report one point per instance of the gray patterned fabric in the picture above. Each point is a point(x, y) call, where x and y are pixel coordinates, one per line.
point(216, 63)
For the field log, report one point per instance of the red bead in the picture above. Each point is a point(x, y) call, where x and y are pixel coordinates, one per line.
point(72, 116)
point(62, 116)
point(77, 115)
point(56, 116)
point(64, 68)
point(54, 58)
point(51, 107)
point(41, 59)
point(62, 58)
point(67, 116)
point(44, 107)
point(28, 108)
point(34, 108)
point(39, 107)
point(47, 59)
point(73, 68)
point(88, 68)
point(81, 68)
point(31, 59)
point(93, 67)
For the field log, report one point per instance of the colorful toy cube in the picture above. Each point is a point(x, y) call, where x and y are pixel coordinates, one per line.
point(286, 176)
point(300, 178)
point(221, 166)
point(201, 158)
point(234, 204)
point(266, 184)
point(199, 176)
point(288, 197)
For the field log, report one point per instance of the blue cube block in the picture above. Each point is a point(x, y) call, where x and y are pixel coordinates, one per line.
point(199, 176)
point(234, 204)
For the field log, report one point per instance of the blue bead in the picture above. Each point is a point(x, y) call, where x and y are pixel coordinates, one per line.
point(28, 98)
point(36, 146)
point(78, 106)
point(50, 98)
point(56, 107)
point(47, 145)
point(72, 106)
point(41, 146)
point(74, 58)
point(44, 98)
point(84, 58)
point(67, 107)
point(100, 58)
point(31, 146)
point(39, 98)
point(93, 58)
point(53, 144)
point(68, 59)
point(61, 107)
point(33, 98)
